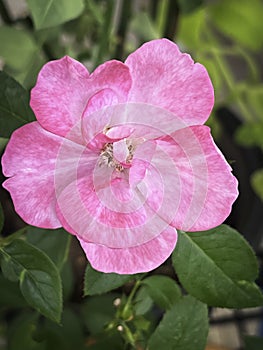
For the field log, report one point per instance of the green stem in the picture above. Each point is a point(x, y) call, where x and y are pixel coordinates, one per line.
point(126, 310)
point(161, 16)
point(65, 257)
point(227, 74)
point(126, 13)
point(250, 62)
point(171, 20)
point(222, 65)
point(9, 239)
point(105, 32)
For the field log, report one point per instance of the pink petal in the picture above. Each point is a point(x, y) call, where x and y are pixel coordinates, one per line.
point(102, 98)
point(141, 160)
point(134, 120)
point(120, 151)
point(109, 84)
point(60, 96)
point(99, 214)
point(121, 190)
point(40, 164)
point(163, 76)
point(137, 172)
point(119, 132)
point(142, 258)
point(207, 188)
point(29, 161)
point(64, 90)
point(113, 75)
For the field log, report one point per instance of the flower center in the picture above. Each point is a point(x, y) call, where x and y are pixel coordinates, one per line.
point(109, 154)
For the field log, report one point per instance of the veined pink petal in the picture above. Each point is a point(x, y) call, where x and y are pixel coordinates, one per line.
point(137, 172)
point(102, 98)
point(103, 216)
point(109, 84)
point(29, 161)
point(208, 189)
point(121, 189)
point(142, 258)
point(142, 157)
point(120, 151)
point(137, 121)
point(164, 77)
point(119, 132)
point(60, 96)
point(113, 75)
point(40, 164)
point(64, 90)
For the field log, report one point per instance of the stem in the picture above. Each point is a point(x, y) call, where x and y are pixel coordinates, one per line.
point(127, 306)
point(227, 74)
point(123, 27)
point(65, 257)
point(222, 65)
point(251, 64)
point(105, 32)
point(161, 16)
point(9, 239)
point(171, 20)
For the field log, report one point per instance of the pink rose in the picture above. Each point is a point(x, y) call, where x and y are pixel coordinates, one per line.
point(120, 157)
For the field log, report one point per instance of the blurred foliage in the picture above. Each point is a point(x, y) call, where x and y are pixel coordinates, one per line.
point(225, 36)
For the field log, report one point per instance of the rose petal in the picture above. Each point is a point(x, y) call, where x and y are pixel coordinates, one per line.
point(64, 90)
point(208, 189)
point(142, 157)
point(98, 215)
point(60, 96)
point(128, 120)
point(113, 75)
point(163, 76)
point(120, 151)
point(40, 164)
point(29, 161)
point(143, 258)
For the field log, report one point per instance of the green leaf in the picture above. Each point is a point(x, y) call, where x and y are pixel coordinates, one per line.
point(253, 343)
point(163, 290)
point(10, 295)
point(39, 279)
point(142, 302)
point(148, 30)
point(17, 47)
point(3, 142)
point(49, 13)
point(190, 28)
point(250, 134)
point(1, 217)
point(98, 283)
point(240, 20)
point(55, 243)
point(254, 97)
point(257, 182)
point(189, 5)
point(218, 267)
point(183, 327)
point(14, 105)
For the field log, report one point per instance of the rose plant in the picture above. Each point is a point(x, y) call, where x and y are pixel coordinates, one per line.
point(121, 159)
